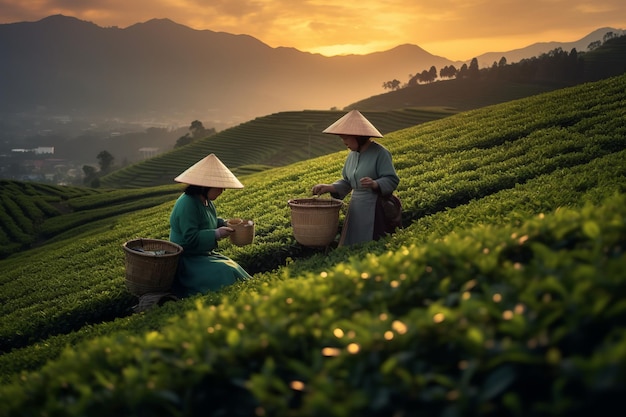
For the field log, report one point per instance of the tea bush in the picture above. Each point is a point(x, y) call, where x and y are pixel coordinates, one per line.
point(524, 320)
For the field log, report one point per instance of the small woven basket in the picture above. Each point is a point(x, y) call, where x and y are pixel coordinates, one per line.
point(150, 265)
point(244, 231)
point(315, 221)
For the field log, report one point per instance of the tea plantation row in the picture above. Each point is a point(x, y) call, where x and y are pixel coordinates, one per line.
point(483, 291)
point(34, 212)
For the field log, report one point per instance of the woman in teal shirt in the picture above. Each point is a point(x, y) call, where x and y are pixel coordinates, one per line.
point(368, 173)
point(195, 226)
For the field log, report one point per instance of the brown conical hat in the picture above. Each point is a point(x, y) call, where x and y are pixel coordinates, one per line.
point(353, 124)
point(209, 172)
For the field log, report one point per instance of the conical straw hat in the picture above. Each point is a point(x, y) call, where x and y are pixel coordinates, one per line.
point(353, 124)
point(209, 172)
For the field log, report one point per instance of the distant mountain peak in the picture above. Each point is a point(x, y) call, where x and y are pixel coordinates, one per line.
point(61, 19)
point(538, 48)
point(161, 23)
point(160, 20)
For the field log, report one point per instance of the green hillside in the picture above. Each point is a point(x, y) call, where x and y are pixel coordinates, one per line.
point(503, 294)
point(547, 72)
point(33, 213)
point(460, 95)
point(279, 139)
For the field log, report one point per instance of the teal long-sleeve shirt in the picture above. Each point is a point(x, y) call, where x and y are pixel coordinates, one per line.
point(193, 225)
point(201, 268)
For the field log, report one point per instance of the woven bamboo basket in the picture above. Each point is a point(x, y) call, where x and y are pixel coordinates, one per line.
point(315, 221)
point(244, 231)
point(150, 265)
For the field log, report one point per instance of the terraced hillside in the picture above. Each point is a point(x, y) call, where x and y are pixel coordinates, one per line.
point(33, 213)
point(276, 140)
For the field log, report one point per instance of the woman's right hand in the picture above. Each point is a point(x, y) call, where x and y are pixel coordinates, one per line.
point(321, 189)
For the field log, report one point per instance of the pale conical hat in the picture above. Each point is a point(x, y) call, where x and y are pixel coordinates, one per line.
point(209, 172)
point(353, 124)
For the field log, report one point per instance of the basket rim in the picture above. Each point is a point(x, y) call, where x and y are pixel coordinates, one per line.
point(176, 246)
point(334, 202)
point(242, 223)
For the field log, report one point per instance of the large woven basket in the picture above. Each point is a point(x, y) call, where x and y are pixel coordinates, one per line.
point(315, 221)
point(244, 231)
point(150, 265)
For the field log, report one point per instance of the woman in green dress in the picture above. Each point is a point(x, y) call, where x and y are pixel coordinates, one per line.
point(368, 173)
point(195, 226)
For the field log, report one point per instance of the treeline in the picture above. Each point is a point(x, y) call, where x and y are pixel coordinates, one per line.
point(554, 66)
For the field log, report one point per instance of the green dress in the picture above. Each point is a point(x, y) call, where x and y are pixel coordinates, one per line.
point(200, 268)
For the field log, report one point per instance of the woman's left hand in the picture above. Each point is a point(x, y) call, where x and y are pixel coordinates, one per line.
point(222, 232)
point(367, 182)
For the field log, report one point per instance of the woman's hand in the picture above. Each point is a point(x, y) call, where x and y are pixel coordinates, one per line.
point(223, 232)
point(322, 188)
point(367, 182)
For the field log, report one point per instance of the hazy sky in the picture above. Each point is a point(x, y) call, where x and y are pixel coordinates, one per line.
point(455, 29)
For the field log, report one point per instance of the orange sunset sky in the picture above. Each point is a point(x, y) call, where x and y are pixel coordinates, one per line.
point(455, 29)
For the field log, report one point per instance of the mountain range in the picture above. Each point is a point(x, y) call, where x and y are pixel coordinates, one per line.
point(164, 73)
